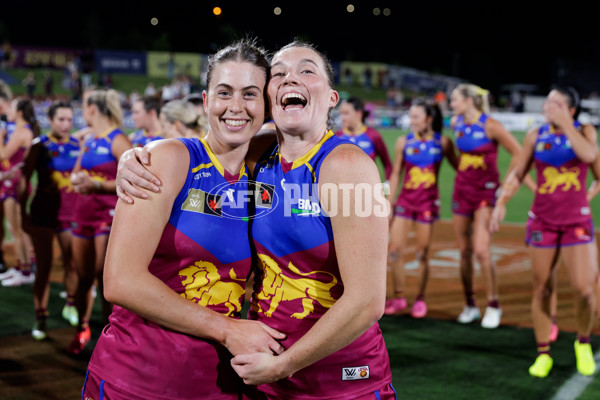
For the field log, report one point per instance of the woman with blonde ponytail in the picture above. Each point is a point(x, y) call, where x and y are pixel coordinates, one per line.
point(180, 118)
point(477, 136)
point(93, 179)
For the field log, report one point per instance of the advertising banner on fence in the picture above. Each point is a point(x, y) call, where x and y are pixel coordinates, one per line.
point(120, 62)
point(162, 64)
point(42, 57)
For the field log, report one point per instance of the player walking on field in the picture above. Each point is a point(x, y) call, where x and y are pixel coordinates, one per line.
point(560, 221)
point(477, 136)
point(419, 154)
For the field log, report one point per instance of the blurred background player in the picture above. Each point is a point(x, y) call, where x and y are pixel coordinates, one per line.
point(592, 191)
point(477, 137)
point(353, 116)
point(180, 118)
point(145, 114)
point(93, 178)
point(13, 150)
point(418, 155)
point(560, 221)
point(197, 101)
point(5, 98)
point(52, 157)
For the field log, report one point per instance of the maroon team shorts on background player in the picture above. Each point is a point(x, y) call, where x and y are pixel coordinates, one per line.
point(465, 201)
point(540, 234)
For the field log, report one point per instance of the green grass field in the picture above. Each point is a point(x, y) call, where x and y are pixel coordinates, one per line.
point(517, 207)
point(430, 359)
point(123, 82)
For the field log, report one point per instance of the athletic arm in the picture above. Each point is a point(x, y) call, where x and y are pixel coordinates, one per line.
point(498, 132)
point(129, 284)
point(595, 185)
point(450, 152)
point(21, 137)
point(585, 146)
point(396, 173)
point(383, 154)
point(361, 250)
point(520, 166)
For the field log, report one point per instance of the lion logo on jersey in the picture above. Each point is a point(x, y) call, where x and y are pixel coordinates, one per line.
point(471, 160)
point(418, 177)
point(204, 285)
point(277, 287)
point(62, 180)
point(553, 178)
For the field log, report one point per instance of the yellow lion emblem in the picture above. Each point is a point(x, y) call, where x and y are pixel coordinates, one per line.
point(418, 177)
point(277, 287)
point(553, 178)
point(471, 160)
point(203, 285)
point(62, 180)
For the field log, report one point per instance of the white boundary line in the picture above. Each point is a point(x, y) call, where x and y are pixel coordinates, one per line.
point(576, 384)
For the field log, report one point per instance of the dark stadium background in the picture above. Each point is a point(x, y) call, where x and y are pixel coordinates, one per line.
point(487, 42)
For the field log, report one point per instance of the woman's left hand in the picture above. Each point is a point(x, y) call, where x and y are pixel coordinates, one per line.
point(259, 368)
point(82, 183)
point(558, 113)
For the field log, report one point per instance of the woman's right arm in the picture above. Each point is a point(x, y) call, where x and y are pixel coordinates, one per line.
point(595, 185)
point(134, 180)
point(521, 164)
point(396, 170)
point(133, 175)
point(129, 284)
point(450, 152)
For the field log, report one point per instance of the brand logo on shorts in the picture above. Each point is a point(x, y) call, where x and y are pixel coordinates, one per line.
point(355, 373)
point(455, 205)
point(585, 211)
point(583, 234)
point(537, 236)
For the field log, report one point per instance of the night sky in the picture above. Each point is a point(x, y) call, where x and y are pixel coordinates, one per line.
point(487, 42)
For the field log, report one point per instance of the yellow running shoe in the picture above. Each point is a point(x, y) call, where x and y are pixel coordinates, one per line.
point(585, 359)
point(542, 366)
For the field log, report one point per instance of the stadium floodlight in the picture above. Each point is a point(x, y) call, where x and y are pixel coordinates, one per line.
point(387, 12)
point(376, 11)
point(350, 8)
point(277, 11)
point(154, 21)
point(217, 11)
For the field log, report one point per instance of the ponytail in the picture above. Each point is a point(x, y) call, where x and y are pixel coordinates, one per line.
point(28, 112)
point(108, 104)
point(479, 95)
